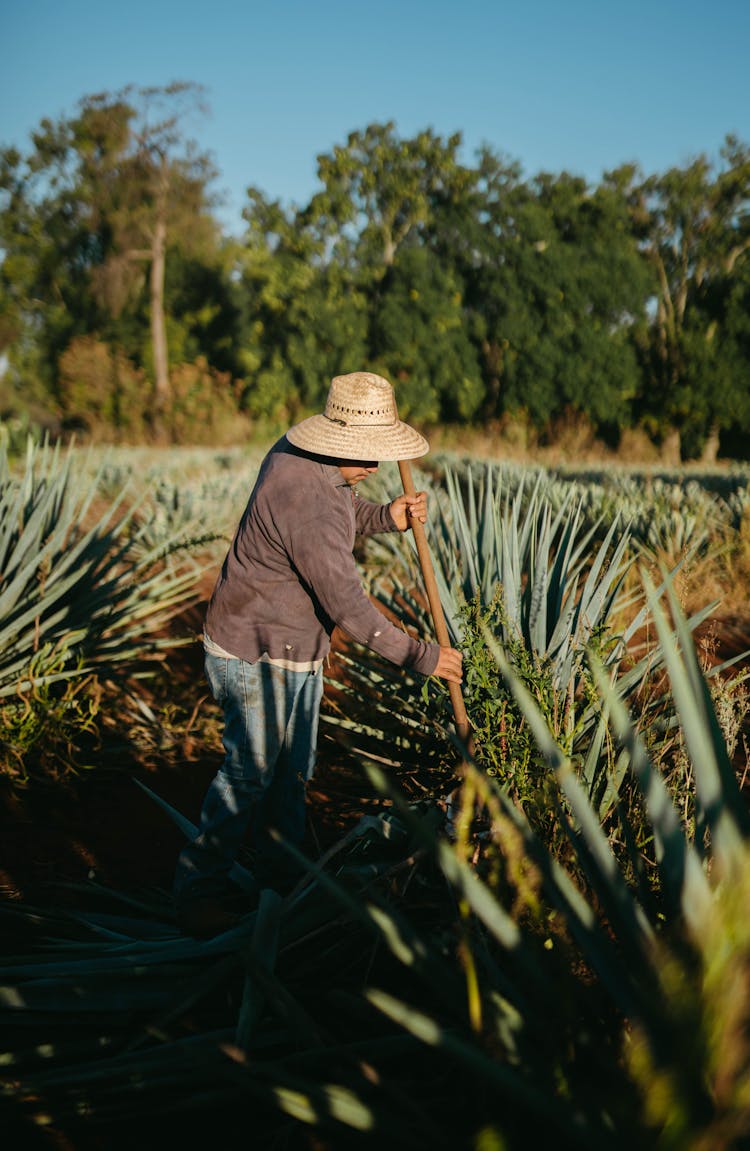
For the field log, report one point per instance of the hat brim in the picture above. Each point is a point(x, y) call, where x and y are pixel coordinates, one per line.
point(324, 437)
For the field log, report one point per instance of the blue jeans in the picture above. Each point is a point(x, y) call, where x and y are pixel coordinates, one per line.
point(270, 735)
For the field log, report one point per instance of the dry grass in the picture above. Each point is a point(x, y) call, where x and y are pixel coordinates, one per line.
point(570, 440)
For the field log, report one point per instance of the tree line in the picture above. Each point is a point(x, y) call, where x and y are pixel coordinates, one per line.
point(128, 312)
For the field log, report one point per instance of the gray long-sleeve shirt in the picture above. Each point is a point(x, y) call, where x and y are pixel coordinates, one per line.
point(290, 575)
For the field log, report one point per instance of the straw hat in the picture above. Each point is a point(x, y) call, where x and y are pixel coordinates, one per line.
point(360, 422)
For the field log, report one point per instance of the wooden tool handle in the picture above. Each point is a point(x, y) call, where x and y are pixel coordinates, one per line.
point(433, 597)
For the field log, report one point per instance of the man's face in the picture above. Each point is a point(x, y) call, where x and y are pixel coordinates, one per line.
point(355, 470)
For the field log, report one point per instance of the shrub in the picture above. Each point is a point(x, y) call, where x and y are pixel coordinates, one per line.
point(102, 392)
point(205, 406)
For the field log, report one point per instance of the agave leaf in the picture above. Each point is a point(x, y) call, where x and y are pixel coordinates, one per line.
point(239, 874)
point(595, 589)
point(635, 933)
point(59, 997)
point(536, 627)
point(721, 808)
point(123, 927)
point(500, 1076)
point(268, 989)
point(684, 883)
point(602, 792)
point(394, 929)
point(263, 947)
point(122, 957)
point(464, 528)
point(564, 570)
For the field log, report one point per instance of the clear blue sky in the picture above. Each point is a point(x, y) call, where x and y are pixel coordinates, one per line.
point(576, 85)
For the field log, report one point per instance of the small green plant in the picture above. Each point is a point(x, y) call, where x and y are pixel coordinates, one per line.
point(503, 743)
point(45, 728)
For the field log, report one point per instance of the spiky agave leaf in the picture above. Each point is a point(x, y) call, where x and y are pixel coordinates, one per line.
point(636, 949)
point(75, 596)
point(683, 883)
point(695, 906)
point(112, 1018)
point(563, 586)
point(721, 810)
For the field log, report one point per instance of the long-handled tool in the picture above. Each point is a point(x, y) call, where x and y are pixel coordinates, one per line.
point(436, 607)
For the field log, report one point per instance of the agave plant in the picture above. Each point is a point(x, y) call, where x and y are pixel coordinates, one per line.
point(614, 1011)
point(120, 1017)
point(71, 590)
point(667, 512)
point(79, 593)
point(563, 577)
point(517, 1003)
point(551, 585)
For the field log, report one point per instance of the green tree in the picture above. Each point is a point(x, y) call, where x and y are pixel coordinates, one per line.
point(470, 233)
point(380, 190)
point(696, 231)
point(419, 339)
point(47, 249)
point(381, 197)
point(554, 285)
point(303, 318)
point(596, 292)
point(145, 185)
point(736, 331)
point(89, 214)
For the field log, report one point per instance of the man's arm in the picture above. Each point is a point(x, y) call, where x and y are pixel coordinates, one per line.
point(324, 561)
point(371, 518)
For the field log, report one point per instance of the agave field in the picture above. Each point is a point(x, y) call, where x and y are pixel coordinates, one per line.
point(539, 938)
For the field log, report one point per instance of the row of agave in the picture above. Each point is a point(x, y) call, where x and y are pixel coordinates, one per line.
point(666, 512)
point(551, 586)
point(88, 583)
point(452, 975)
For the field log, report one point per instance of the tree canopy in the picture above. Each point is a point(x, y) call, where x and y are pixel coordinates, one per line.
point(485, 295)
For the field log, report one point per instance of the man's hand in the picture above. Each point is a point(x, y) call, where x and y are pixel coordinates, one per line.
point(449, 665)
point(406, 508)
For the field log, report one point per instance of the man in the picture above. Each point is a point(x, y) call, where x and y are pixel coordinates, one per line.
point(288, 579)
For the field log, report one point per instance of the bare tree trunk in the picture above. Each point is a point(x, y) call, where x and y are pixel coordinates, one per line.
point(671, 449)
point(710, 452)
point(158, 326)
